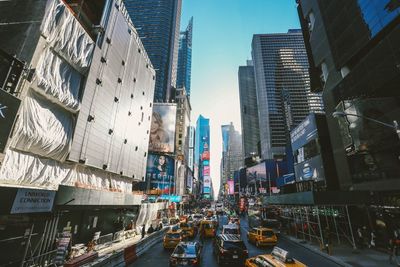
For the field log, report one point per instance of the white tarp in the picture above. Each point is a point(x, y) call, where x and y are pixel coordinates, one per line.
point(24, 169)
point(43, 128)
point(58, 81)
point(148, 214)
point(66, 35)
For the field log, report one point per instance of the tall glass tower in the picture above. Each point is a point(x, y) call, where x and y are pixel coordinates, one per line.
point(283, 88)
point(185, 58)
point(158, 24)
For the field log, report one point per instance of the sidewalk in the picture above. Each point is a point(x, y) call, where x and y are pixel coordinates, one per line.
point(345, 255)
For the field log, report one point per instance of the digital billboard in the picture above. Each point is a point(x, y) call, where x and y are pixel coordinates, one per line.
point(257, 173)
point(231, 187)
point(207, 181)
point(160, 173)
point(162, 130)
point(206, 171)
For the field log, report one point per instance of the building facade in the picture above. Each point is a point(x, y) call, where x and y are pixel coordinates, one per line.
point(185, 58)
point(283, 88)
point(202, 155)
point(249, 110)
point(76, 146)
point(357, 71)
point(158, 25)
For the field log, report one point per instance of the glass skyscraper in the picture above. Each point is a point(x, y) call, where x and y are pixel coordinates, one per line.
point(283, 88)
point(185, 58)
point(158, 24)
point(249, 110)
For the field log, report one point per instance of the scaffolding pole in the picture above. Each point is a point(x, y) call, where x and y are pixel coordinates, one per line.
point(351, 229)
point(308, 223)
point(319, 227)
point(336, 229)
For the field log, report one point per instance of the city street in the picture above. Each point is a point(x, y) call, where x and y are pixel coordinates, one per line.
point(157, 256)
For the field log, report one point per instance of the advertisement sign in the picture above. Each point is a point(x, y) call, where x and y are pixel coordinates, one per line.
point(206, 171)
point(9, 105)
point(206, 190)
point(311, 169)
point(33, 200)
point(172, 198)
point(206, 163)
point(162, 131)
point(304, 132)
point(160, 173)
point(231, 187)
point(205, 155)
point(207, 181)
point(257, 173)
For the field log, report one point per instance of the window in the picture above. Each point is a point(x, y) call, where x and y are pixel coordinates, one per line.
point(311, 21)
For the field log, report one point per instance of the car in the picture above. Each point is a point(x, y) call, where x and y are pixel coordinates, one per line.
point(278, 258)
point(262, 237)
point(208, 227)
point(189, 228)
point(230, 249)
point(172, 238)
point(186, 254)
point(232, 229)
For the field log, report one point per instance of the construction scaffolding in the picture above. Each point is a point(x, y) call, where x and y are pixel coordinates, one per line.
point(321, 224)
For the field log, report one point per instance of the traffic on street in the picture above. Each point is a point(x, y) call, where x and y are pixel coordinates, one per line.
point(159, 255)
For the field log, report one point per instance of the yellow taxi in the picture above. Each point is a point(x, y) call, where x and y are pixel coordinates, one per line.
point(262, 237)
point(208, 228)
point(278, 258)
point(172, 238)
point(188, 228)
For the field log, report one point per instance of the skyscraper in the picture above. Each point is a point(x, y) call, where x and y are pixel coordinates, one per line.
point(283, 88)
point(185, 58)
point(249, 110)
point(158, 24)
point(202, 155)
point(232, 153)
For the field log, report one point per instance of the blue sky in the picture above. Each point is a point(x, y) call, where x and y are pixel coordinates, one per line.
point(222, 35)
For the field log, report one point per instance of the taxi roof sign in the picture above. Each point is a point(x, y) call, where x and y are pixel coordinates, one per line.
point(282, 255)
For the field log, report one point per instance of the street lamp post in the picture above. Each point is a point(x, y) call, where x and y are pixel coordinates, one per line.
point(394, 126)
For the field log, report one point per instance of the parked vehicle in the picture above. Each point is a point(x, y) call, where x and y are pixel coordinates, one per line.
point(230, 249)
point(186, 254)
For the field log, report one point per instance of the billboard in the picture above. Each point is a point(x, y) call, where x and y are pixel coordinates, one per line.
point(256, 173)
point(304, 132)
point(206, 171)
point(8, 111)
point(207, 181)
point(311, 169)
point(231, 187)
point(160, 173)
point(162, 130)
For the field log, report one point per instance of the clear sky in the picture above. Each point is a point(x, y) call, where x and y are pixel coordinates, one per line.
point(222, 35)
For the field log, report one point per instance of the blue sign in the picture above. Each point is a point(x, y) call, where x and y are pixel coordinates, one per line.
point(304, 132)
point(172, 198)
point(206, 190)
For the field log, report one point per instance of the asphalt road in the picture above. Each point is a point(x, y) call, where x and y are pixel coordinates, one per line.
point(158, 257)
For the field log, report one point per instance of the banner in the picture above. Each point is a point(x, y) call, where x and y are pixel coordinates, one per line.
point(162, 131)
point(206, 171)
point(160, 173)
point(231, 187)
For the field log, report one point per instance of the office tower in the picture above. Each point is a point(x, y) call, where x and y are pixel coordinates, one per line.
point(232, 153)
point(158, 25)
point(185, 58)
point(283, 88)
point(355, 64)
point(249, 110)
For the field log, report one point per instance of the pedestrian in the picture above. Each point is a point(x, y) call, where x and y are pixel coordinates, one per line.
point(160, 226)
point(372, 241)
point(395, 244)
point(151, 229)
point(360, 238)
point(327, 239)
point(143, 230)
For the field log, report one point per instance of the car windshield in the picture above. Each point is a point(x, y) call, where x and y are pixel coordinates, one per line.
point(173, 235)
point(234, 245)
point(185, 249)
point(233, 231)
point(267, 233)
point(260, 262)
point(208, 226)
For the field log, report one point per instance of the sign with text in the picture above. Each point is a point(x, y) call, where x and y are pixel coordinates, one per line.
point(33, 200)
